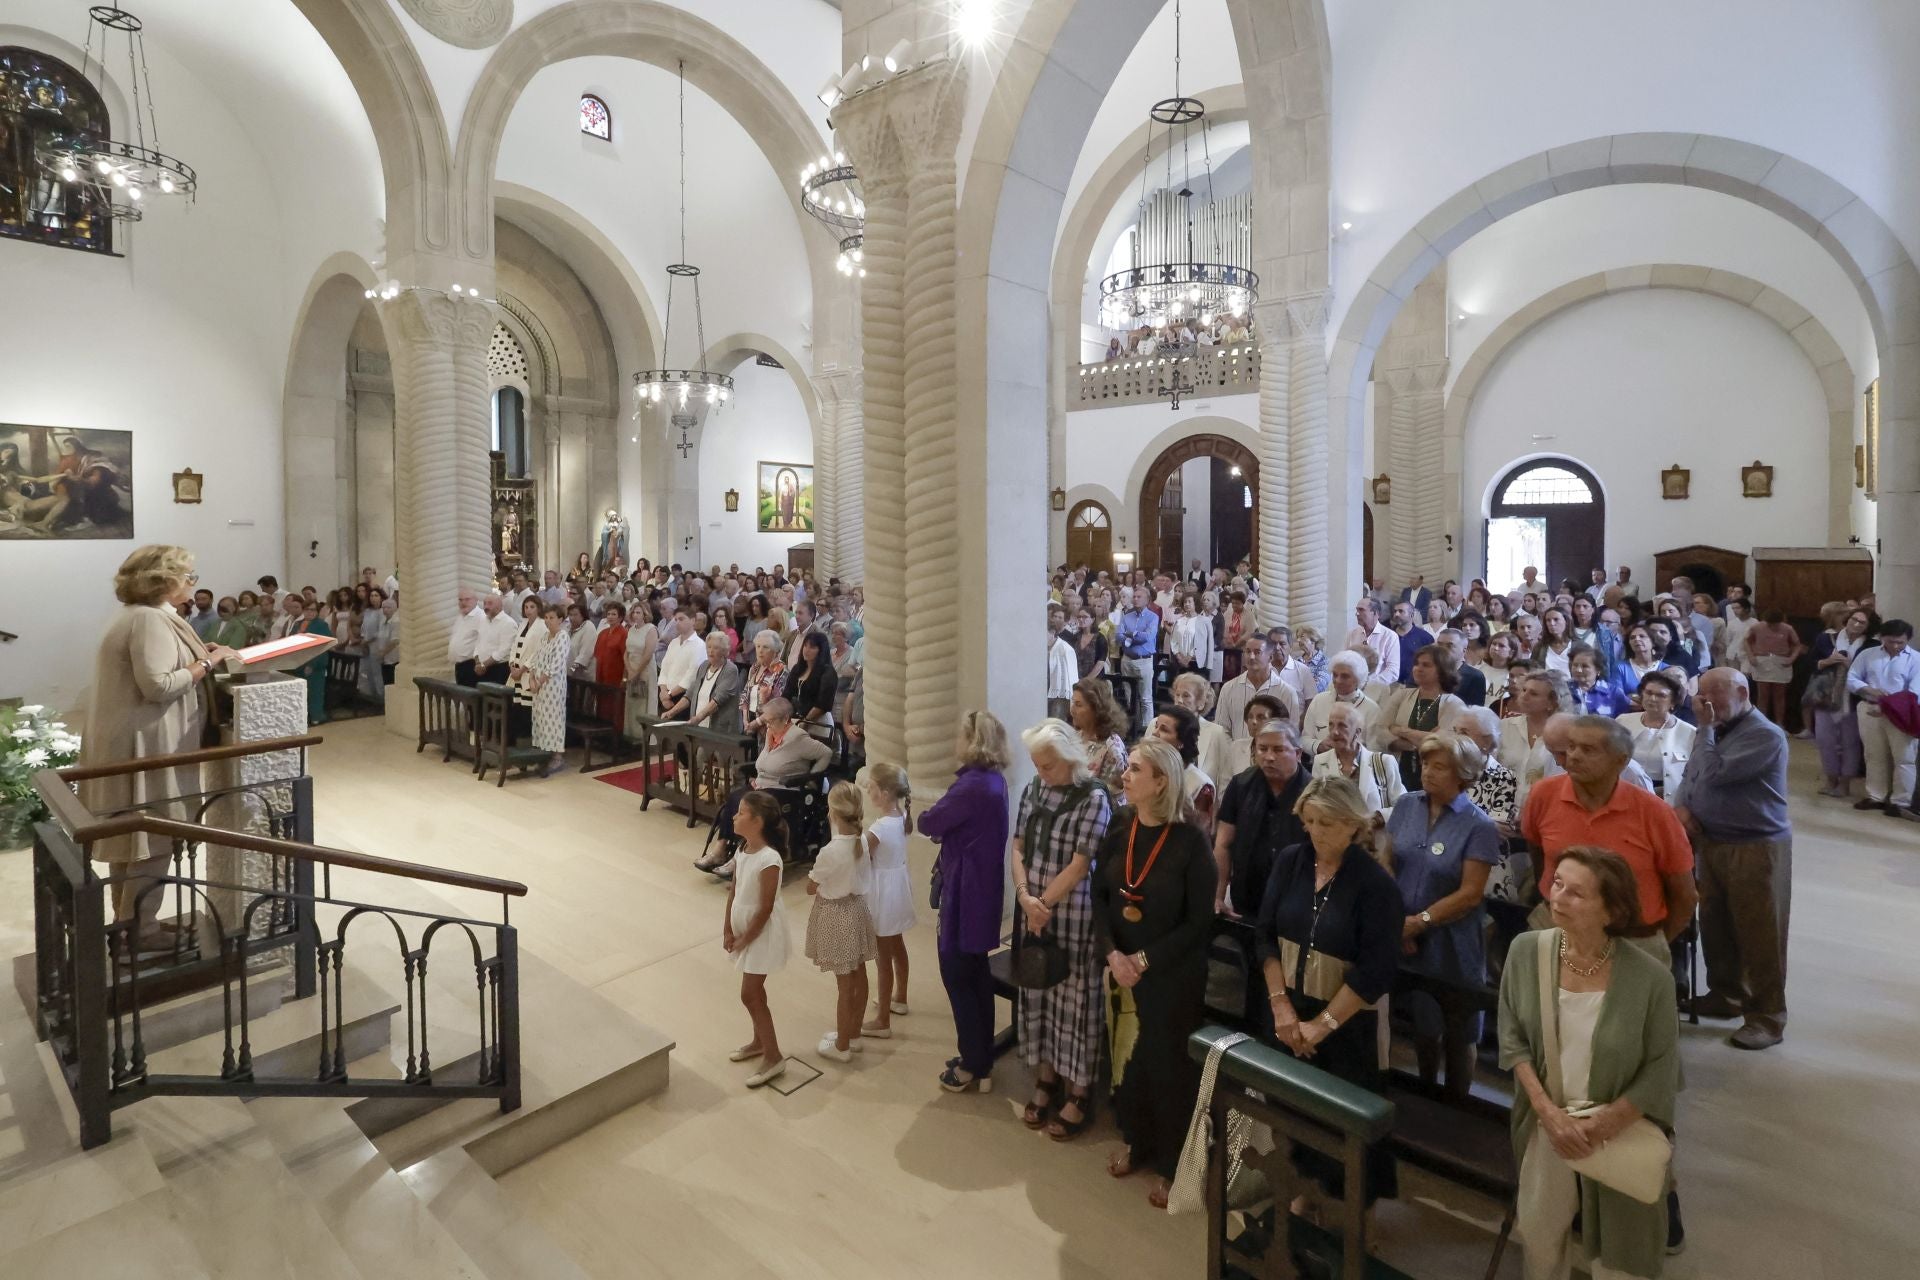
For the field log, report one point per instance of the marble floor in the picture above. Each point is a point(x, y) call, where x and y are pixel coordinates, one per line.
point(1796, 1162)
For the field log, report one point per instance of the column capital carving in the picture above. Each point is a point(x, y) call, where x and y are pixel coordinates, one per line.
point(418, 315)
point(904, 128)
point(838, 386)
point(1299, 315)
point(1430, 376)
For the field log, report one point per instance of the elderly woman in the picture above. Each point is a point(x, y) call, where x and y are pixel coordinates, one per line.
point(582, 634)
point(1662, 741)
point(1102, 727)
point(642, 669)
point(1523, 749)
point(1410, 713)
point(969, 823)
point(1194, 693)
point(766, 679)
point(1601, 1058)
point(1153, 914)
point(1310, 650)
point(545, 678)
point(1328, 938)
point(1444, 848)
point(382, 628)
point(1061, 821)
point(1842, 758)
point(610, 661)
point(314, 672)
point(1345, 756)
point(1236, 624)
point(1494, 792)
point(1190, 637)
point(1179, 728)
point(1349, 681)
point(846, 664)
point(532, 637)
point(149, 698)
point(711, 699)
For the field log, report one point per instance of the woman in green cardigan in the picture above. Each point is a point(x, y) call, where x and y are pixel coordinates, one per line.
point(1618, 1038)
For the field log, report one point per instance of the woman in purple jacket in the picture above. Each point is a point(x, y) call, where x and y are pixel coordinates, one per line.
point(969, 823)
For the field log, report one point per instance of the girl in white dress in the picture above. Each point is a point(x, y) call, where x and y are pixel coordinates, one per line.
point(891, 901)
point(756, 933)
point(840, 930)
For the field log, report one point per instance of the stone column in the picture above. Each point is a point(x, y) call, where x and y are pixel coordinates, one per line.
point(1417, 466)
point(441, 485)
point(372, 399)
point(841, 464)
point(1897, 574)
point(1276, 461)
point(1309, 471)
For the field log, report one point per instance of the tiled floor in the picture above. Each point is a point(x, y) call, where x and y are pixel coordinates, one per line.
point(1797, 1162)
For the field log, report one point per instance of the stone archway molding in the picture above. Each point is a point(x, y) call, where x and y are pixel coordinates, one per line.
point(1859, 240)
point(1828, 359)
point(313, 413)
point(1203, 444)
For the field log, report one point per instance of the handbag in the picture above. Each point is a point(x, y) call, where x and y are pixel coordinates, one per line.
point(1189, 1193)
point(933, 884)
point(1634, 1161)
point(1039, 961)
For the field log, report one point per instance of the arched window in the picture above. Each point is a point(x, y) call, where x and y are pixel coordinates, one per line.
point(510, 430)
point(1090, 536)
point(595, 119)
point(43, 104)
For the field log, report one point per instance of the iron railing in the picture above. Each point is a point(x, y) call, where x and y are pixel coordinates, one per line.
point(96, 986)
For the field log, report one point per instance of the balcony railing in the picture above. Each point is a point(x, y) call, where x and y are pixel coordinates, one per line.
point(1208, 371)
point(96, 977)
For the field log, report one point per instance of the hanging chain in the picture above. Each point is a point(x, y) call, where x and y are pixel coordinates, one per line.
point(146, 83)
point(683, 159)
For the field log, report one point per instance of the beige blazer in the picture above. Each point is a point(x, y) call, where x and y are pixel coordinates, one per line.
point(144, 702)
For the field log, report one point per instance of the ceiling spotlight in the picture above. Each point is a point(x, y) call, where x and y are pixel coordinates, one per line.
point(851, 79)
point(456, 288)
point(1346, 226)
point(830, 94)
point(897, 56)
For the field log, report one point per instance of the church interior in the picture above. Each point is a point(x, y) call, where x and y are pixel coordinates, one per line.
point(895, 329)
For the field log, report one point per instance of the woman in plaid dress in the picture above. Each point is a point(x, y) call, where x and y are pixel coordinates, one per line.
point(1062, 820)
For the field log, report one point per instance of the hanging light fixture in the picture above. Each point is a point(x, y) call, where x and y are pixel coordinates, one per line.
point(124, 175)
point(830, 192)
point(1189, 287)
point(680, 391)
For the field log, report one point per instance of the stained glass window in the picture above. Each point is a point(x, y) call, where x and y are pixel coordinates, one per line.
point(45, 103)
point(595, 119)
point(1542, 486)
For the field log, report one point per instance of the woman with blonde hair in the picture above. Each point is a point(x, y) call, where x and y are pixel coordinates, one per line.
point(1328, 939)
point(1153, 895)
point(1192, 691)
point(641, 670)
point(1063, 817)
point(149, 698)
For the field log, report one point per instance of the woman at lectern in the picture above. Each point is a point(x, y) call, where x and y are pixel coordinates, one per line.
point(149, 698)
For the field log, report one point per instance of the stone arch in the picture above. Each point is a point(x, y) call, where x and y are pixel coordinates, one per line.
point(321, 493)
point(1859, 240)
point(661, 35)
point(1200, 445)
point(408, 128)
point(1823, 352)
point(1051, 84)
point(735, 349)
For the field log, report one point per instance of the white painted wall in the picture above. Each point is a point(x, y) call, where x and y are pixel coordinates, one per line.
point(1109, 450)
point(1631, 384)
point(767, 422)
point(183, 341)
point(1424, 96)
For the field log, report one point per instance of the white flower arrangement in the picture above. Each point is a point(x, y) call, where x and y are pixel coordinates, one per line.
point(30, 740)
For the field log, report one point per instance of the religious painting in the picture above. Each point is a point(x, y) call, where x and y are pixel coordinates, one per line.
point(785, 498)
point(1675, 482)
point(186, 485)
point(1382, 490)
point(1756, 481)
point(1872, 467)
point(65, 482)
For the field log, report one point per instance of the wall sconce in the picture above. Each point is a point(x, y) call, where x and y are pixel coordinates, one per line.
point(733, 500)
point(1059, 499)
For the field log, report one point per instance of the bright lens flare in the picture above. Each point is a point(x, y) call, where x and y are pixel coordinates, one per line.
point(973, 21)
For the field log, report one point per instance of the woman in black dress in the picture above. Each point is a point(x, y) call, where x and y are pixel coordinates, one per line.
point(1152, 914)
point(1329, 942)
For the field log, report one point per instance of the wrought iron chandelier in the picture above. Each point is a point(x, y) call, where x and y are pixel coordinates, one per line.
point(123, 174)
point(678, 389)
point(830, 191)
point(1164, 293)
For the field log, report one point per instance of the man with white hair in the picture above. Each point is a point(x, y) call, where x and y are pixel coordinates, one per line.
point(1557, 733)
point(1733, 800)
point(463, 641)
point(1349, 678)
point(1473, 684)
point(1370, 634)
point(498, 630)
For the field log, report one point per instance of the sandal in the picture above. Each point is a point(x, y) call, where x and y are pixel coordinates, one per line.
point(1045, 1091)
point(1120, 1164)
point(1158, 1196)
point(1065, 1130)
point(950, 1081)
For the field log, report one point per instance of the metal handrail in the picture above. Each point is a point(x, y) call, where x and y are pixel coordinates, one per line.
point(177, 759)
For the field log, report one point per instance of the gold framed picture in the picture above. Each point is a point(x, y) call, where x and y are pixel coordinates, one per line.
point(1382, 490)
point(1756, 481)
point(733, 500)
point(1859, 466)
point(1871, 469)
point(186, 485)
point(1675, 482)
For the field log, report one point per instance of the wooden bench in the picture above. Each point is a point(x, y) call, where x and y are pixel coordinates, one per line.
point(494, 744)
point(449, 713)
point(343, 684)
point(708, 767)
point(586, 723)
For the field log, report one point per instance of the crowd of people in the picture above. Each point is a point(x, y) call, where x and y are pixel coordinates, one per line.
point(1181, 337)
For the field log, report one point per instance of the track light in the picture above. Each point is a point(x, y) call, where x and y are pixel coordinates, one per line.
point(897, 56)
point(851, 79)
point(830, 94)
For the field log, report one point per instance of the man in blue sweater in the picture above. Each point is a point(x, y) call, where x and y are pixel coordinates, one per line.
point(1733, 801)
point(1138, 635)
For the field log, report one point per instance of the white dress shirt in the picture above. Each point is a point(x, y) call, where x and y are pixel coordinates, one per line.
point(496, 637)
point(585, 636)
point(1875, 668)
point(1385, 645)
point(1063, 669)
point(463, 642)
point(1230, 712)
point(684, 656)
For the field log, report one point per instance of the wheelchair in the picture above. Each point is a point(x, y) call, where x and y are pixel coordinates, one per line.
point(803, 806)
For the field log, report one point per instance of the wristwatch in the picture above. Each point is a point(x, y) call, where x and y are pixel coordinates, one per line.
point(1327, 1020)
point(1140, 958)
point(1426, 919)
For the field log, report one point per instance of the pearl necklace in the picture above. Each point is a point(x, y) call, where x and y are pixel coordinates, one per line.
point(1566, 958)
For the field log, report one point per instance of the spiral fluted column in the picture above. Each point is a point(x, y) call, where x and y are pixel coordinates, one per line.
point(842, 464)
point(1427, 409)
point(1307, 449)
point(826, 485)
point(441, 484)
point(1399, 464)
point(1276, 462)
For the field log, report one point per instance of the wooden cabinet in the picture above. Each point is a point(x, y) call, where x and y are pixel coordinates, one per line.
point(1798, 580)
point(1711, 569)
point(800, 556)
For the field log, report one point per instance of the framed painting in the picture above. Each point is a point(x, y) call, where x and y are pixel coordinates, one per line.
point(65, 483)
point(1675, 481)
point(1756, 481)
point(784, 497)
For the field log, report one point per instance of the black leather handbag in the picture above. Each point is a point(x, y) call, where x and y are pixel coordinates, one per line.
point(1039, 962)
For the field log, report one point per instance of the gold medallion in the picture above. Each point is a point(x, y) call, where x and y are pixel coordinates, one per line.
point(1131, 914)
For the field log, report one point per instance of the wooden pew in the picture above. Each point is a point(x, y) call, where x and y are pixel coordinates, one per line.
point(449, 713)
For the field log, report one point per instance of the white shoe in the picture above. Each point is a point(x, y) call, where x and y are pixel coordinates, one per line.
point(855, 1045)
point(741, 1055)
point(724, 870)
point(877, 1033)
point(838, 1055)
point(767, 1074)
point(899, 1007)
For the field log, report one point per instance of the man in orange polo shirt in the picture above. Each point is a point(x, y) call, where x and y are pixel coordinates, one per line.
point(1589, 805)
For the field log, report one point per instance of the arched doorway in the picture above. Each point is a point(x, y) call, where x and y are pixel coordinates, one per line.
point(1549, 513)
point(1226, 489)
point(1090, 536)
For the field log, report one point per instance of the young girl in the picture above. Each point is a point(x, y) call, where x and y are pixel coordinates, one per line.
point(756, 926)
point(892, 899)
point(840, 932)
